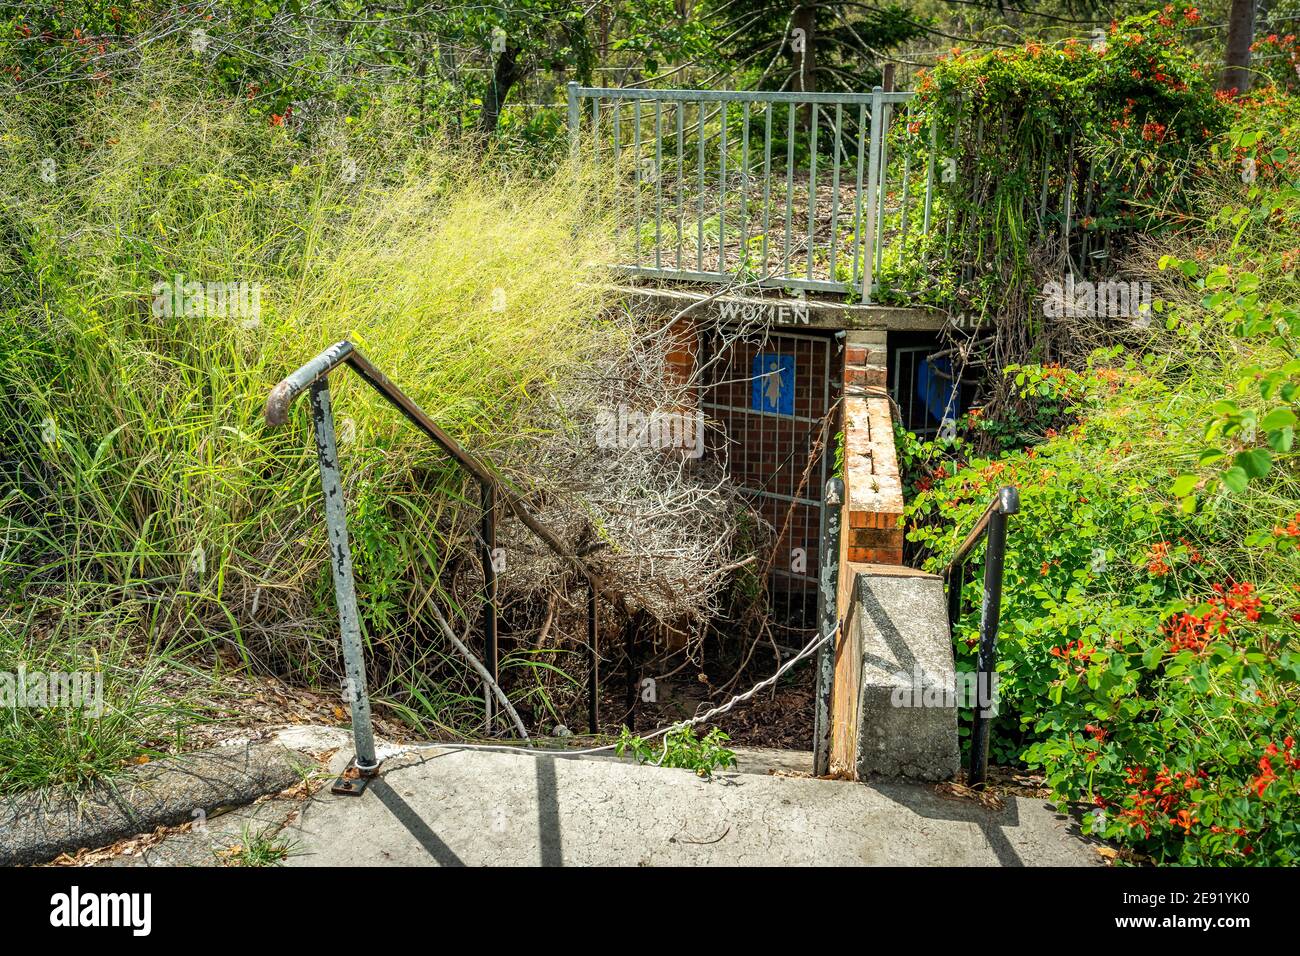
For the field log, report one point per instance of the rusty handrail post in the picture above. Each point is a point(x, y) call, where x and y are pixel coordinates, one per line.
point(364, 764)
point(313, 377)
point(593, 661)
point(828, 562)
point(488, 531)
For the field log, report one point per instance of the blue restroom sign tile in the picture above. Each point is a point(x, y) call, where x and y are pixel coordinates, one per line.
point(772, 388)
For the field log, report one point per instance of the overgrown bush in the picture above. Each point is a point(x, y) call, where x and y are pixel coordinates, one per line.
point(138, 478)
point(1151, 609)
point(1051, 161)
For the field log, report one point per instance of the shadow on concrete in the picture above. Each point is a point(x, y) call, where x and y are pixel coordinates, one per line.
point(924, 802)
point(408, 818)
point(549, 840)
point(904, 660)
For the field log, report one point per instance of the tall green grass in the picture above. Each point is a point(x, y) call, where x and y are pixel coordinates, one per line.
point(141, 491)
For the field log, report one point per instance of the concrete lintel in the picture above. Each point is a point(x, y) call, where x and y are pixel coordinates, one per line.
point(785, 312)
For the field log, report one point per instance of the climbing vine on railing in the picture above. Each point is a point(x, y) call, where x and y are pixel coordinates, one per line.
point(1051, 159)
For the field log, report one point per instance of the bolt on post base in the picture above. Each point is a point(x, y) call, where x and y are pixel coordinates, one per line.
point(352, 782)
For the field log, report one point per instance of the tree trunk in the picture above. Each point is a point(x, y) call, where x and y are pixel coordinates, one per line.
point(1241, 34)
point(505, 75)
point(802, 53)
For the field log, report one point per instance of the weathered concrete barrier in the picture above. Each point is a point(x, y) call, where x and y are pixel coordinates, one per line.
point(38, 827)
point(896, 689)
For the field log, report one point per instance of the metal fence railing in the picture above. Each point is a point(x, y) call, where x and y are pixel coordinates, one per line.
point(802, 191)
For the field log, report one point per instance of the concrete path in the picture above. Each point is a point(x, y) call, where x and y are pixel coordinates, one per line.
point(476, 808)
point(493, 809)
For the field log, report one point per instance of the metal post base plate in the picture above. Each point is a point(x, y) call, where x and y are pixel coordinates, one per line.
point(353, 781)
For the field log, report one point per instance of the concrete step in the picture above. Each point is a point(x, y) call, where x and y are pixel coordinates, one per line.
point(483, 808)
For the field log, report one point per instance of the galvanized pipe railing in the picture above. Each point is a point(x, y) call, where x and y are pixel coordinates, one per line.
point(993, 525)
point(313, 377)
point(709, 198)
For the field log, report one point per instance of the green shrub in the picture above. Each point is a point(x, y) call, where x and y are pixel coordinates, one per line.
point(1148, 660)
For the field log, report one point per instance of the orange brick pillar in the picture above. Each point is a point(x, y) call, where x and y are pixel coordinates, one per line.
point(873, 489)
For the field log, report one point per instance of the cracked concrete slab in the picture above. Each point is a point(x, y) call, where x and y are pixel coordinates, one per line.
point(444, 807)
point(39, 826)
point(476, 808)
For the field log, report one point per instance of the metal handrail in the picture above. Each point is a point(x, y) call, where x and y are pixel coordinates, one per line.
point(993, 524)
point(313, 377)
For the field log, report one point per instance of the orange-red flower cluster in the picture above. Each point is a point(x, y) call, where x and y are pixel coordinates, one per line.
point(1154, 132)
point(1191, 632)
point(1292, 529)
point(1238, 598)
point(1075, 650)
point(1286, 754)
point(1156, 563)
point(1162, 798)
point(1188, 632)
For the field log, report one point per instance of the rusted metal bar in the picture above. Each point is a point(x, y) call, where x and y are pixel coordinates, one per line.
point(344, 352)
point(488, 532)
point(364, 765)
point(284, 394)
point(313, 376)
point(593, 662)
point(828, 561)
point(1007, 501)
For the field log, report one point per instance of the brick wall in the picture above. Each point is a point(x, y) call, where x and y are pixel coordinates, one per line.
point(874, 491)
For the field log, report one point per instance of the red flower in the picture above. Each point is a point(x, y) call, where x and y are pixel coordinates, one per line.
point(1156, 563)
point(1187, 632)
point(1154, 132)
point(1266, 776)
